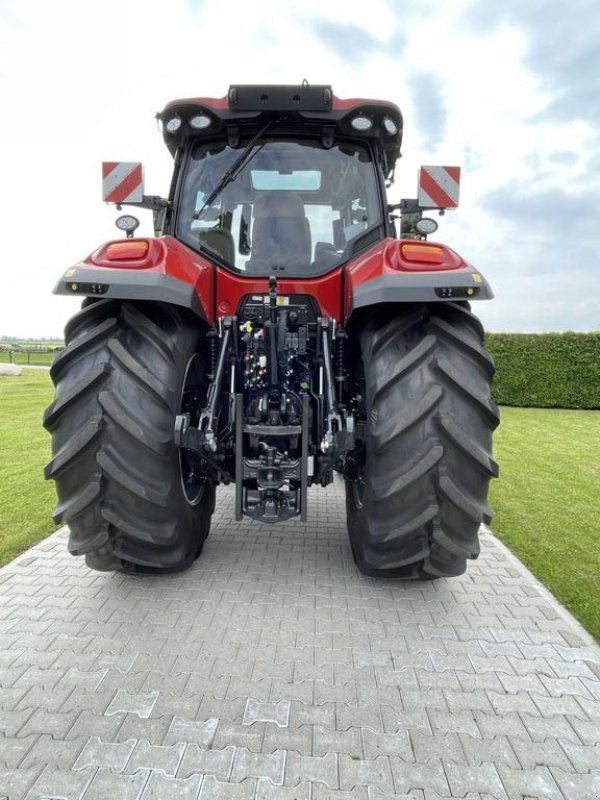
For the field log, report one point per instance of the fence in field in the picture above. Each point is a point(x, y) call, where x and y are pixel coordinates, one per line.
point(28, 355)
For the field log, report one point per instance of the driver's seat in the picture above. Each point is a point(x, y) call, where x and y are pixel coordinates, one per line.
point(280, 233)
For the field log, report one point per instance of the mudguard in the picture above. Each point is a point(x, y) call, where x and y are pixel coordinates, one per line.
point(165, 270)
point(162, 270)
point(409, 271)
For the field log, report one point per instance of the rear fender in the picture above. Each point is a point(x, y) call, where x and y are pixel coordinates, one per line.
point(410, 271)
point(162, 270)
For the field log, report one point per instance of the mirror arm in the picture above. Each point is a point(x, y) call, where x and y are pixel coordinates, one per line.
point(151, 201)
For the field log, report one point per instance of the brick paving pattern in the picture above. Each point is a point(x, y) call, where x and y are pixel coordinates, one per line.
point(274, 670)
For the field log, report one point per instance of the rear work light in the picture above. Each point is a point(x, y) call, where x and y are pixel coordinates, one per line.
point(361, 123)
point(422, 253)
point(127, 251)
point(425, 226)
point(173, 124)
point(390, 126)
point(200, 122)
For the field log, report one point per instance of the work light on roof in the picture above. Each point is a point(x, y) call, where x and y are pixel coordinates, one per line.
point(362, 123)
point(390, 126)
point(200, 122)
point(173, 124)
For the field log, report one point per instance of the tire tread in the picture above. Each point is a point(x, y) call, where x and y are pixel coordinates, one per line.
point(429, 426)
point(114, 460)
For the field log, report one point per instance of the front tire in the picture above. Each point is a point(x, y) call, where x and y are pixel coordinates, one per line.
point(416, 506)
point(123, 487)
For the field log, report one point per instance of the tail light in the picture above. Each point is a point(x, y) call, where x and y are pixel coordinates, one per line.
point(410, 255)
point(132, 250)
point(422, 253)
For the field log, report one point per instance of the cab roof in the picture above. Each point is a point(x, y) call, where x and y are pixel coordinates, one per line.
point(303, 109)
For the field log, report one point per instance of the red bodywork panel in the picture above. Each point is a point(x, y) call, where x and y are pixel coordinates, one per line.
point(386, 259)
point(326, 289)
point(168, 256)
point(337, 103)
point(220, 291)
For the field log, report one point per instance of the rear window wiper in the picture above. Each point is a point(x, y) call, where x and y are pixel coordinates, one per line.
point(234, 170)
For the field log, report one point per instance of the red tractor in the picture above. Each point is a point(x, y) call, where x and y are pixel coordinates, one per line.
point(274, 331)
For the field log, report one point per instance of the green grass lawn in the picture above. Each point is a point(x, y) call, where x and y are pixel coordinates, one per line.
point(547, 499)
point(26, 499)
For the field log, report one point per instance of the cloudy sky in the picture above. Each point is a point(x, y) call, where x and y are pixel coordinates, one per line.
point(510, 90)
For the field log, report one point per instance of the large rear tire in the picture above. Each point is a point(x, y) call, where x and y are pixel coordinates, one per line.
point(419, 499)
point(129, 496)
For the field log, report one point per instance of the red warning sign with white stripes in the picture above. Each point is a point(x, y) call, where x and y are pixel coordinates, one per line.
point(122, 182)
point(438, 187)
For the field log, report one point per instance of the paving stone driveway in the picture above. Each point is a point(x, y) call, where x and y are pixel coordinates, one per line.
point(274, 670)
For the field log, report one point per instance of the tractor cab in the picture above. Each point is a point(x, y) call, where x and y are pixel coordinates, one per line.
point(281, 180)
